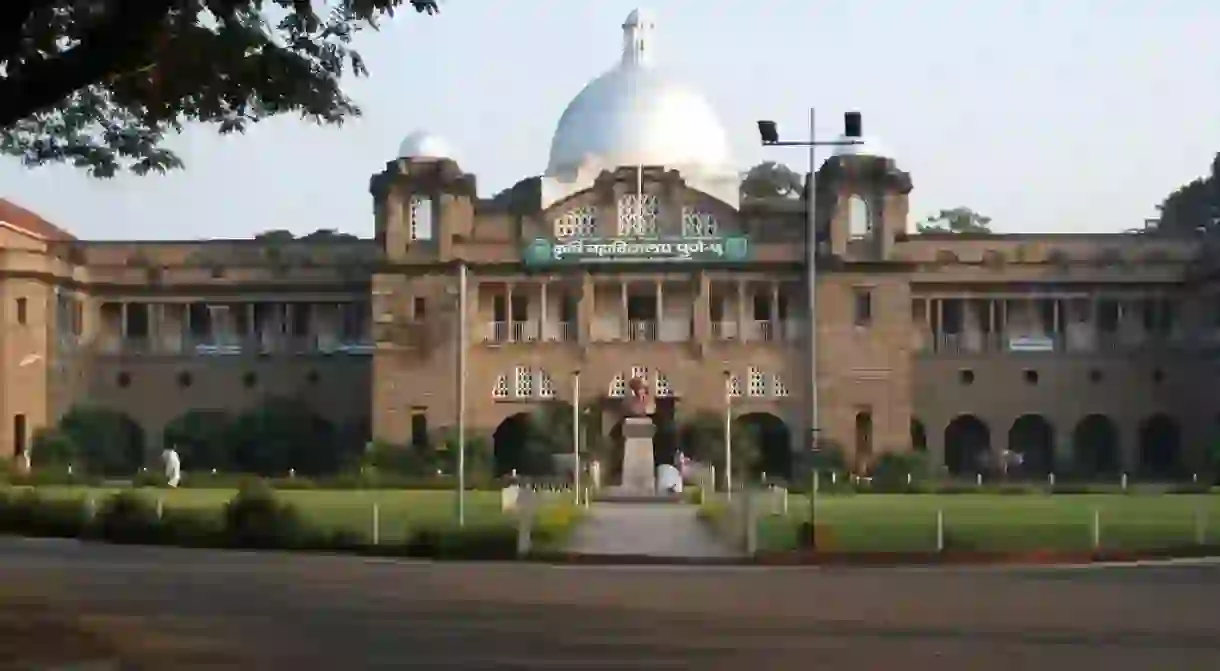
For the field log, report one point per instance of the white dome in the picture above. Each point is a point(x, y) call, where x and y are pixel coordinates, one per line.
point(634, 115)
point(425, 145)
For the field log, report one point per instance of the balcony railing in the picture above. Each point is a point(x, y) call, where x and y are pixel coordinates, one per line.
point(173, 345)
point(759, 330)
point(511, 332)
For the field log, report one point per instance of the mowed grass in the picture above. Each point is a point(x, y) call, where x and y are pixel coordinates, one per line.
point(398, 511)
point(983, 522)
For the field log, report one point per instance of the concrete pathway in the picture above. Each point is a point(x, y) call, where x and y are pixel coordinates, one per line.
point(647, 529)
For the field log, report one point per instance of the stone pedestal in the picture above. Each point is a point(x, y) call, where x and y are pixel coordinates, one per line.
point(639, 474)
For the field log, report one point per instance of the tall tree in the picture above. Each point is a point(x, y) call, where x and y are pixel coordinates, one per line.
point(101, 83)
point(772, 180)
point(955, 220)
point(1194, 207)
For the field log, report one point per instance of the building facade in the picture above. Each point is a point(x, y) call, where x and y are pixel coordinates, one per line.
point(634, 255)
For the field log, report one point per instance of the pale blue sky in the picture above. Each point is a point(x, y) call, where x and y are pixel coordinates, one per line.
point(1048, 115)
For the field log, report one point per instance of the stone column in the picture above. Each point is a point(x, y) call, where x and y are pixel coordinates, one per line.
point(773, 315)
point(660, 310)
point(741, 310)
point(702, 308)
point(542, 309)
point(585, 307)
point(624, 321)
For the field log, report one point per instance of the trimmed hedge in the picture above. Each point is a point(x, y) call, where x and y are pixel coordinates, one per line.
point(256, 519)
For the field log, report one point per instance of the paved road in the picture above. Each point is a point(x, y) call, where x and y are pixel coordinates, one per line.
point(652, 529)
point(269, 611)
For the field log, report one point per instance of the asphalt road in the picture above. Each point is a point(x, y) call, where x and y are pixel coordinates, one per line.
point(274, 611)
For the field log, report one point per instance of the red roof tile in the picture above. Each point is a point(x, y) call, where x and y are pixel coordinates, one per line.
point(32, 224)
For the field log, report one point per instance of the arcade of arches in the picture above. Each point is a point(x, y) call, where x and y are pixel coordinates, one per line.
point(971, 446)
point(524, 442)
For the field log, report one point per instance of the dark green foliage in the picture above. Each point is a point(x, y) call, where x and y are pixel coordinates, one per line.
point(101, 84)
point(955, 220)
point(472, 542)
point(772, 180)
point(28, 514)
point(128, 517)
point(280, 435)
point(255, 518)
point(52, 447)
point(1193, 208)
point(201, 439)
point(108, 441)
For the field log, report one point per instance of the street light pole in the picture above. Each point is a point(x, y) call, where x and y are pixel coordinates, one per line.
point(576, 433)
point(770, 138)
point(728, 435)
point(461, 395)
point(811, 220)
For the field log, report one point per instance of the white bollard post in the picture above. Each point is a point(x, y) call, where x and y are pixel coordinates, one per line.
point(940, 530)
point(1194, 478)
point(978, 479)
point(747, 504)
point(1124, 482)
point(161, 507)
point(834, 478)
point(1096, 529)
point(908, 479)
point(525, 519)
point(785, 502)
point(376, 523)
point(588, 497)
point(1050, 479)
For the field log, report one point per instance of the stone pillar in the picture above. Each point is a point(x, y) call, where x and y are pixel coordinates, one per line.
point(542, 309)
point(702, 315)
point(741, 310)
point(585, 308)
point(624, 320)
point(660, 310)
point(773, 314)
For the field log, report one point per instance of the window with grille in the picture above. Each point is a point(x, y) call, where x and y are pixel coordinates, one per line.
point(524, 378)
point(663, 390)
point(580, 222)
point(500, 390)
point(546, 386)
point(637, 215)
point(758, 382)
point(734, 386)
point(778, 388)
point(618, 386)
point(696, 224)
point(420, 218)
point(640, 372)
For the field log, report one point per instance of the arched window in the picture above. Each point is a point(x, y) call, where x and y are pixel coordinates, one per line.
point(859, 217)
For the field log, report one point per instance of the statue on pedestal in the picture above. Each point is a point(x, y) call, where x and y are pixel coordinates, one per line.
point(639, 475)
point(639, 402)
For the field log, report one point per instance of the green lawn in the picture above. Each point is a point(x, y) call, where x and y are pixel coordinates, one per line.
point(397, 510)
point(990, 522)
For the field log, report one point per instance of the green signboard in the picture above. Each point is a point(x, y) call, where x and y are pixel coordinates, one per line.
point(544, 252)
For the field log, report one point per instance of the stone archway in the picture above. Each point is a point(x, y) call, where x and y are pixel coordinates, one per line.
point(1095, 446)
point(1033, 437)
point(770, 436)
point(510, 445)
point(1160, 447)
point(967, 445)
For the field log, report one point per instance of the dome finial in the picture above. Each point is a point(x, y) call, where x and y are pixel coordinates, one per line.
point(638, 43)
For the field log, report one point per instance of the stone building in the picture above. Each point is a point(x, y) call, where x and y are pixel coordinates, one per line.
point(633, 255)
